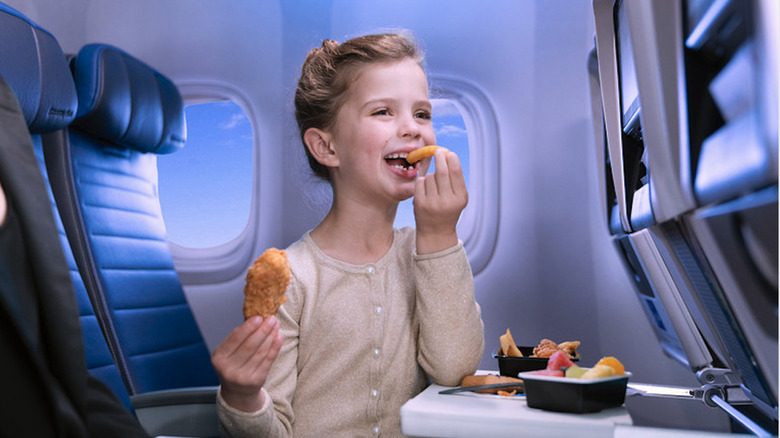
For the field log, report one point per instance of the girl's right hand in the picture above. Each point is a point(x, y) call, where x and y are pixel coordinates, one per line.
point(243, 359)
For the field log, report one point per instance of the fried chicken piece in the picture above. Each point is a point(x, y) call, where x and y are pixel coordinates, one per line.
point(569, 347)
point(424, 152)
point(546, 348)
point(266, 283)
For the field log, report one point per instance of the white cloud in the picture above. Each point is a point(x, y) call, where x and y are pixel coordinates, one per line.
point(449, 131)
point(444, 107)
point(235, 120)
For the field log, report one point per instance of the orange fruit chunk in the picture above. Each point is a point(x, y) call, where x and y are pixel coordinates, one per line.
point(613, 363)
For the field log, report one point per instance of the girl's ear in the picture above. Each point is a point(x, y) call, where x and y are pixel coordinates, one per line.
point(319, 144)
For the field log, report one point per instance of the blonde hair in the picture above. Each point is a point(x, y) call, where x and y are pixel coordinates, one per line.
point(328, 72)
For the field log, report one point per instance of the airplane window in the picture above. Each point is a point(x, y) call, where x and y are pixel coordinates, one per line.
point(451, 133)
point(464, 121)
point(206, 187)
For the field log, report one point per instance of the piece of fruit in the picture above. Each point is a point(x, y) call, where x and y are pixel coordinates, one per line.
point(614, 363)
point(575, 372)
point(599, 371)
point(552, 373)
point(559, 360)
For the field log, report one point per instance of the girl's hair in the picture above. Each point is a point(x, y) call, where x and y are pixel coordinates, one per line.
point(330, 69)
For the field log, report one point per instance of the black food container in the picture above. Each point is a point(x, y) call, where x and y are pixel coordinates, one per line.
point(566, 394)
point(511, 366)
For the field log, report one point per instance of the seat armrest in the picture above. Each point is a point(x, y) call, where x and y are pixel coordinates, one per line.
point(190, 412)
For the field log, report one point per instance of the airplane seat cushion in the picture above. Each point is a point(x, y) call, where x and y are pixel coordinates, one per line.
point(127, 103)
point(36, 70)
point(128, 113)
point(38, 74)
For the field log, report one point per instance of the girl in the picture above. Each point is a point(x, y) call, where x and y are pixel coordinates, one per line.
point(372, 312)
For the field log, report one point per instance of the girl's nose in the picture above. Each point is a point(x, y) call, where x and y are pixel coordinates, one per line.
point(409, 127)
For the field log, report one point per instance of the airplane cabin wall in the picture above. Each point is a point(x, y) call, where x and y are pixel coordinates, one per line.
point(553, 273)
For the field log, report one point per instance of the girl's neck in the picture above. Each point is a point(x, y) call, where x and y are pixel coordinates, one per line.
point(357, 235)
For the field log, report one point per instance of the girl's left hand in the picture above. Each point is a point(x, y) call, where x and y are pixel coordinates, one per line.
point(439, 199)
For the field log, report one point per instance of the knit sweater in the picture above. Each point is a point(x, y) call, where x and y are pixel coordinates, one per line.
point(361, 340)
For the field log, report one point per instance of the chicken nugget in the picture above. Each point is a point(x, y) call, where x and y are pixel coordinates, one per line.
point(424, 152)
point(569, 347)
point(266, 283)
point(545, 349)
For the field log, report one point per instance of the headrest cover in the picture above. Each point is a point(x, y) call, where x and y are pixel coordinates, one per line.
point(33, 65)
point(127, 103)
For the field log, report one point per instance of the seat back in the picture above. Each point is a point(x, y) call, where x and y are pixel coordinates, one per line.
point(36, 69)
point(106, 170)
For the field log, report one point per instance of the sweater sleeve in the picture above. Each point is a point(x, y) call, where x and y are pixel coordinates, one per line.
point(275, 418)
point(451, 333)
point(234, 423)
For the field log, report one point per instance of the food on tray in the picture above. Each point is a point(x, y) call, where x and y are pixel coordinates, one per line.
point(561, 366)
point(424, 152)
point(614, 363)
point(575, 372)
point(491, 379)
point(598, 371)
point(508, 346)
point(507, 393)
point(557, 363)
point(569, 347)
point(266, 283)
point(559, 360)
point(547, 348)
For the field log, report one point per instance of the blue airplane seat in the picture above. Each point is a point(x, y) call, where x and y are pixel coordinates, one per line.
point(128, 113)
point(36, 69)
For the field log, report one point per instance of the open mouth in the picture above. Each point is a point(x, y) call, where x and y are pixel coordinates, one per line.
point(398, 161)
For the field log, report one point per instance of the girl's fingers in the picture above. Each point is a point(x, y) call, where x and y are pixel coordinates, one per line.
point(274, 345)
point(441, 177)
point(241, 346)
point(456, 174)
point(232, 344)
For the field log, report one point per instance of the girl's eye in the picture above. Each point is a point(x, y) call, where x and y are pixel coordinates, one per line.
point(381, 112)
point(423, 115)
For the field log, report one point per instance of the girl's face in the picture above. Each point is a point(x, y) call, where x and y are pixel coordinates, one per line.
point(386, 114)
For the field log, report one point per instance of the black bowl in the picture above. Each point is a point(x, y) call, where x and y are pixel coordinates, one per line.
point(511, 366)
point(566, 394)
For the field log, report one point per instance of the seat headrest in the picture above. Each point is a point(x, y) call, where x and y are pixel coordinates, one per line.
point(33, 65)
point(127, 103)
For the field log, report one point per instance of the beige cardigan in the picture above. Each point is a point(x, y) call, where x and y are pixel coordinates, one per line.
point(359, 341)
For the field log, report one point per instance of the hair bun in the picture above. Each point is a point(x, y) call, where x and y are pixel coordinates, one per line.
point(330, 46)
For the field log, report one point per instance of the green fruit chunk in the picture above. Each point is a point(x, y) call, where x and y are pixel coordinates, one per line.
point(575, 371)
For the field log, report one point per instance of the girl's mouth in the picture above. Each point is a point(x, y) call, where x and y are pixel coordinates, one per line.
point(398, 161)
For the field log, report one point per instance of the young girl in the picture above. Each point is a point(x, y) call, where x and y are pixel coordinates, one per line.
point(372, 312)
